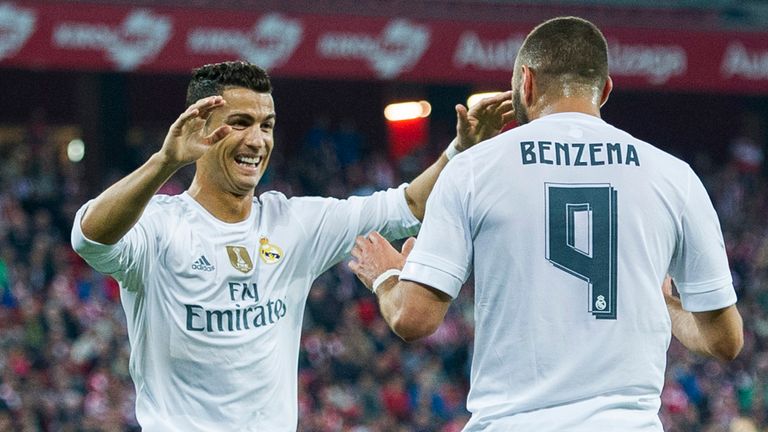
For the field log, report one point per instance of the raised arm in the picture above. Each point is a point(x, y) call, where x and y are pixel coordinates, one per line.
point(483, 120)
point(717, 333)
point(116, 210)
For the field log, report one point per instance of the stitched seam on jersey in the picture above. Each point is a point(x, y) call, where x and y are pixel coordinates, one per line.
point(292, 212)
point(470, 193)
point(687, 193)
point(162, 253)
point(725, 279)
point(448, 267)
point(414, 276)
point(410, 218)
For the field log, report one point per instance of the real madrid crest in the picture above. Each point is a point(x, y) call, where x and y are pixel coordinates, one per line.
point(269, 253)
point(239, 258)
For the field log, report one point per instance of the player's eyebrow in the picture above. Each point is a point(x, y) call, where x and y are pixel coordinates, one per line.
point(249, 117)
point(240, 116)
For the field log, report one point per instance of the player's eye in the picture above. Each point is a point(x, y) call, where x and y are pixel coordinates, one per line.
point(239, 124)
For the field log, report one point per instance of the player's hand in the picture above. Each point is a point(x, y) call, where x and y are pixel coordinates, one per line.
point(667, 288)
point(373, 255)
point(483, 120)
point(187, 139)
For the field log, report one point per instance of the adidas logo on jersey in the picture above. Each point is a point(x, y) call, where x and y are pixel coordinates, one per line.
point(203, 264)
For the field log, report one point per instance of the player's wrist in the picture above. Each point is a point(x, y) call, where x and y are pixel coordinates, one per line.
point(453, 149)
point(166, 161)
point(383, 278)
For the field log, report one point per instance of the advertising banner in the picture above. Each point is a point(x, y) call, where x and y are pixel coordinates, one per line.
point(123, 38)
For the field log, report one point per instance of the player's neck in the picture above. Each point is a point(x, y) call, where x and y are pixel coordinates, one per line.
point(571, 104)
point(223, 205)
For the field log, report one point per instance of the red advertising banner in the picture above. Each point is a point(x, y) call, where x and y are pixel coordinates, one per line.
point(100, 37)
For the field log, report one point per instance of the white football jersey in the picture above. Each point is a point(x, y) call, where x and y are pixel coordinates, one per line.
point(215, 309)
point(570, 226)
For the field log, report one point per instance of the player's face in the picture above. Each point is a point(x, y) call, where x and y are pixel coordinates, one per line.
point(240, 159)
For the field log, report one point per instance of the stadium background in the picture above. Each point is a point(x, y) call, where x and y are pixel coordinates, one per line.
point(63, 344)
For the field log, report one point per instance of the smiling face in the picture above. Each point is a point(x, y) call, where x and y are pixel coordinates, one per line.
point(236, 163)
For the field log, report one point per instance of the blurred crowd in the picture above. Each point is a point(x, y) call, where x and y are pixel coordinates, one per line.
point(64, 349)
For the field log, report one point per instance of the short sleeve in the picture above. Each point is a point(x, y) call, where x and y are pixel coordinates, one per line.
point(128, 260)
point(700, 263)
point(442, 255)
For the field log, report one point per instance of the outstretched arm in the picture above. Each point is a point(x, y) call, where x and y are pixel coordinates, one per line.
point(482, 121)
point(717, 333)
point(116, 210)
point(411, 309)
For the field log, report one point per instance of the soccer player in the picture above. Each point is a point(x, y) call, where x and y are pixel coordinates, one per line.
point(214, 281)
point(570, 225)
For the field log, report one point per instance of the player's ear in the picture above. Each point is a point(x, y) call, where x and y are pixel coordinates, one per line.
point(606, 91)
point(527, 85)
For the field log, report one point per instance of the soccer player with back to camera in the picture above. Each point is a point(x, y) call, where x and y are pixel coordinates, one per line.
point(570, 225)
point(214, 281)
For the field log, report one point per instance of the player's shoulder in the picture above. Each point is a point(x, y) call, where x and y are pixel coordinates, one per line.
point(653, 155)
point(274, 201)
point(167, 204)
point(272, 197)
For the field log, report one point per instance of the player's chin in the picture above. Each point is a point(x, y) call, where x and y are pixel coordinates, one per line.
point(244, 185)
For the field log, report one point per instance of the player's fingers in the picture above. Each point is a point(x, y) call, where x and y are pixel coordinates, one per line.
point(361, 242)
point(219, 134)
point(208, 102)
point(492, 101)
point(354, 266)
point(186, 115)
point(376, 238)
point(357, 253)
point(508, 117)
point(666, 286)
point(408, 246)
point(207, 105)
point(505, 96)
point(462, 118)
point(505, 106)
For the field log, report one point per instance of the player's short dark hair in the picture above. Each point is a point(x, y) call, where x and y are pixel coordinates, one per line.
point(566, 49)
point(213, 79)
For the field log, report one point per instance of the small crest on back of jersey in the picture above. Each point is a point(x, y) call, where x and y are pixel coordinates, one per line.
point(600, 303)
point(269, 253)
point(239, 258)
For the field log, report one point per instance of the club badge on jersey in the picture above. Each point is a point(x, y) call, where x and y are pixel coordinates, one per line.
point(269, 253)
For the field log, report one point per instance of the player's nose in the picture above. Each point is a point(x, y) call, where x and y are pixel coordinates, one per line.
point(256, 138)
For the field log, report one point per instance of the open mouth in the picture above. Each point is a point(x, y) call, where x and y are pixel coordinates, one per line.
point(248, 161)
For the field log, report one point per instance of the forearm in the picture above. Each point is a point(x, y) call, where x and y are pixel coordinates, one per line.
point(418, 191)
point(390, 297)
point(117, 209)
point(684, 327)
point(411, 310)
point(717, 333)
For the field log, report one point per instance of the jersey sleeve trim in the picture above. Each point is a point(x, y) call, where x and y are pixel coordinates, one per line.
point(707, 296)
point(429, 270)
point(407, 216)
point(98, 255)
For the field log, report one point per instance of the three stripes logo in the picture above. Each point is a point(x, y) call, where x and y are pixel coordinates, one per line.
point(203, 264)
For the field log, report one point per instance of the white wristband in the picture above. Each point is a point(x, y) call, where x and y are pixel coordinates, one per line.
point(452, 150)
point(382, 277)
